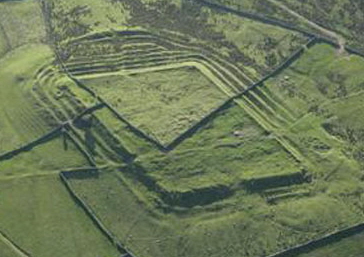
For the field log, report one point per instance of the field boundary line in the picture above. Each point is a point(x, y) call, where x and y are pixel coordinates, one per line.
point(30, 145)
point(89, 212)
point(48, 136)
point(21, 252)
point(51, 172)
point(320, 242)
point(78, 145)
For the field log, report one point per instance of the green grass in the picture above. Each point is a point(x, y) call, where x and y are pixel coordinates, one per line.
point(317, 77)
point(21, 119)
point(39, 215)
point(4, 45)
point(171, 203)
point(163, 104)
point(214, 155)
point(244, 226)
point(343, 16)
point(87, 16)
point(22, 23)
point(7, 251)
point(253, 46)
point(323, 91)
point(265, 45)
point(348, 247)
point(150, 233)
point(49, 156)
point(133, 143)
point(303, 215)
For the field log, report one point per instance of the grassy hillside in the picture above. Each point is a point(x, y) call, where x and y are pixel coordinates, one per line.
point(21, 23)
point(21, 118)
point(181, 128)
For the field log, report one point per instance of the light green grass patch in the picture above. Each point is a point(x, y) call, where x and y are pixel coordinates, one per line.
point(39, 215)
point(22, 21)
point(133, 143)
point(21, 119)
point(319, 213)
point(54, 155)
point(215, 156)
point(7, 251)
point(163, 104)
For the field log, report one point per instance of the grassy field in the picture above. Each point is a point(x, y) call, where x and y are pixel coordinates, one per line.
point(26, 121)
point(230, 148)
point(344, 17)
point(262, 46)
point(7, 251)
point(323, 89)
point(4, 44)
point(163, 104)
point(255, 47)
point(277, 166)
point(58, 227)
point(350, 247)
point(132, 142)
point(53, 155)
point(17, 17)
point(69, 19)
point(235, 227)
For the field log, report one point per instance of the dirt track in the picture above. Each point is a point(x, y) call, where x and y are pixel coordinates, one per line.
point(340, 40)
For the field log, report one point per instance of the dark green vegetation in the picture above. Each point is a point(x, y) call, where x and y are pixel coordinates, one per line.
point(155, 128)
